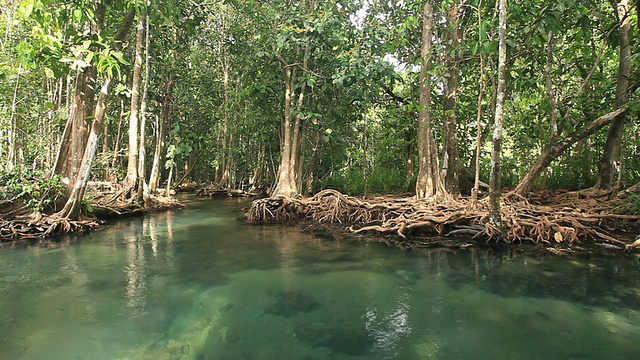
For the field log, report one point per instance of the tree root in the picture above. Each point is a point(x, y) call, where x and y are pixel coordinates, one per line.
point(555, 225)
point(38, 225)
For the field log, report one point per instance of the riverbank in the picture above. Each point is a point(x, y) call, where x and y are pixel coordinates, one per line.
point(19, 222)
point(562, 224)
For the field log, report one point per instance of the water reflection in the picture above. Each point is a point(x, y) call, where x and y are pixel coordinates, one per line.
point(196, 283)
point(136, 290)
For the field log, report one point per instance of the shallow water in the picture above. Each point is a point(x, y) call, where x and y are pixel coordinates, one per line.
point(197, 284)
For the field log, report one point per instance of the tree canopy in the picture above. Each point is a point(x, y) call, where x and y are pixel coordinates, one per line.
point(298, 96)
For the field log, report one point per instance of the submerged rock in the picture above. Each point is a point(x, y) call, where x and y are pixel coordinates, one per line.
point(290, 303)
point(339, 336)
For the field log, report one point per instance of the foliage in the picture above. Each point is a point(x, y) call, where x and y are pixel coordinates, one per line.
point(34, 188)
point(361, 80)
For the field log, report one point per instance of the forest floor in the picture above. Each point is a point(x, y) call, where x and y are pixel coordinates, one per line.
point(556, 222)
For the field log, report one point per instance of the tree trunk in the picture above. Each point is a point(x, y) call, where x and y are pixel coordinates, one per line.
point(476, 180)
point(134, 121)
point(76, 133)
point(286, 184)
point(609, 162)
point(161, 134)
point(429, 182)
point(143, 116)
point(451, 158)
point(411, 170)
point(554, 150)
point(12, 136)
point(551, 97)
point(225, 174)
point(495, 216)
point(314, 161)
point(71, 208)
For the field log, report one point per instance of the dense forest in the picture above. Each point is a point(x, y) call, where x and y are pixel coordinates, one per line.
point(440, 99)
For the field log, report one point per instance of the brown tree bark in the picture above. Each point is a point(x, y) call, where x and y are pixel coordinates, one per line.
point(429, 183)
point(71, 208)
point(451, 159)
point(76, 133)
point(609, 162)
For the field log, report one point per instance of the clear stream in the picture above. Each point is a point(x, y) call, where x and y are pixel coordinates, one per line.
point(198, 284)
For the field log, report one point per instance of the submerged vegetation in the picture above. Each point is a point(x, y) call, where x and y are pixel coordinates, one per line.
point(465, 105)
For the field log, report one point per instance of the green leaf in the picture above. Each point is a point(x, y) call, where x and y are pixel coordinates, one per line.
point(120, 57)
point(77, 15)
point(26, 8)
point(49, 73)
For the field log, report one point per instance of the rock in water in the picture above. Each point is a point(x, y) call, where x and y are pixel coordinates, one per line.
point(339, 336)
point(290, 303)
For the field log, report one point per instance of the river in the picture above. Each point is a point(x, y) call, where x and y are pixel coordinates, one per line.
point(197, 283)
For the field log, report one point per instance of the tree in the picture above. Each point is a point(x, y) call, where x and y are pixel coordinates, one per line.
point(495, 217)
point(131, 180)
point(71, 208)
point(429, 182)
point(609, 163)
point(451, 165)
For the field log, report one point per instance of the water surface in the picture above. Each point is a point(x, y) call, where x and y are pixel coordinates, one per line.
point(197, 284)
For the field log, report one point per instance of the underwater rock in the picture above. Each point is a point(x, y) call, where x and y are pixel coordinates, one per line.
point(226, 307)
point(290, 303)
point(409, 277)
point(339, 336)
point(427, 350)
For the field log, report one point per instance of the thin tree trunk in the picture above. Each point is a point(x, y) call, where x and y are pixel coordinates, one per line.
point(143, 116)
point(429, 182)
point(476, 180)
point(134, 121)
point(116, 146)
point(161, 134)
point(296, 154)
point(286, 184)
point(12, 148)
point(553, 151)
point(609, 165)
point(314, 161)
point(224, 134)
point(411, 169)
point(495, 216)
point(167, 190)
point(551, 97)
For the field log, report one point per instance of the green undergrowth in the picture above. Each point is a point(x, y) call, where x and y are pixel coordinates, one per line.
point(35, 189)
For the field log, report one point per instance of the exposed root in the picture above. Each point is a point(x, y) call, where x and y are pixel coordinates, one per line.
point(18, 222)
point(555, 225)
point(39, 226)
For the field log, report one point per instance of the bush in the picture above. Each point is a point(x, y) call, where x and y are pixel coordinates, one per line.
point(34, 188)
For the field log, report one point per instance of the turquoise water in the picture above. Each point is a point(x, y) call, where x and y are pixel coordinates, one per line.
point(197, 284)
